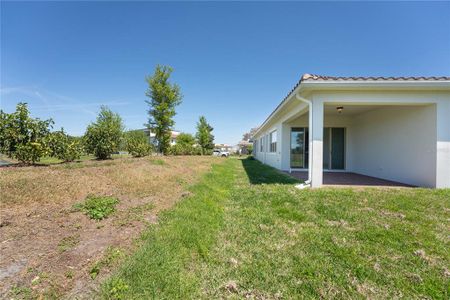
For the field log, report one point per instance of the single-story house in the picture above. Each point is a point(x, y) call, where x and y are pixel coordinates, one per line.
point(392, 128)
point(151, 136)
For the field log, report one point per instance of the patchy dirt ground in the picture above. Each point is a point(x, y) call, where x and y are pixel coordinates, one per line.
point(49, 249)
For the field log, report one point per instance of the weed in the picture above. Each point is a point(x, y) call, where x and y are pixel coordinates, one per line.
point(69, 274)
point(97, 207)
point(115, 289)
point(112, 256)
point(68, 243)
point(21, 292)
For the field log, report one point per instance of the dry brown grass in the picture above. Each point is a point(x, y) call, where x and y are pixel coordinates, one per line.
point(132, 177)
point(36, 216)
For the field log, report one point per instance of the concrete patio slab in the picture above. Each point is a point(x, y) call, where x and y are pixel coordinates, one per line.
point(349, 179)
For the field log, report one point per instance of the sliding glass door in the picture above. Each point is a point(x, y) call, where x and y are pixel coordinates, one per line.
point(299, 148)
point(333, 148)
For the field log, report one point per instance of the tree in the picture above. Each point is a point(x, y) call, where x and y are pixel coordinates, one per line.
point(204, 137)
point(249, 135)
point(63, 146)
point(23, 137)
point(103, 137)
point(185, 139)
point(137, 143)
point(164, 97)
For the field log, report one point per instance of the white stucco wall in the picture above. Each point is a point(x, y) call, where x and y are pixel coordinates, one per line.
point(397, 143)
point(270, 158)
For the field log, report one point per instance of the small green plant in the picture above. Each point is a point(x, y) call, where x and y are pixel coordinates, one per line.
point(94, 271)
point(116, 288)
point(112, 256)
point(69, 274)
point(97, 207)
point(68, 243)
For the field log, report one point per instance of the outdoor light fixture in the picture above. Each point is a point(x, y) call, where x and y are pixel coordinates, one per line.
point(339, 109)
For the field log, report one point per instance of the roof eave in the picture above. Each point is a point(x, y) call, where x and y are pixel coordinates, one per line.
point(313, 85)
point(371, 85)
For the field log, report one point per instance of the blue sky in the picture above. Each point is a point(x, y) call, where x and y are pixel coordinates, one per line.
point(233, 61)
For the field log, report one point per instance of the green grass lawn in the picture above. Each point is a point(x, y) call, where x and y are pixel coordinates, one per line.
point(246, 232)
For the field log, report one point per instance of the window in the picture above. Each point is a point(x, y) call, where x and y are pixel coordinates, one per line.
point(273, 141)
point(261, 144)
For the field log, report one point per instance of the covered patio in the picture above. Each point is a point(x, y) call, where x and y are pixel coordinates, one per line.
point(349, 179)
point(361, 131)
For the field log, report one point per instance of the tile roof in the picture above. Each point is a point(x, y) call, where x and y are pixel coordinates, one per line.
point(313, 77)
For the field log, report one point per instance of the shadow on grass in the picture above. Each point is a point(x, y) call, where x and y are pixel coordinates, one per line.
point(259, 173)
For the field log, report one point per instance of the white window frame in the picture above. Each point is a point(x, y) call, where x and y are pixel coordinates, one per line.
point(273, 141)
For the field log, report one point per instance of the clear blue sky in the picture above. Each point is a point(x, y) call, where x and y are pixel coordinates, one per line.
point(234, 61)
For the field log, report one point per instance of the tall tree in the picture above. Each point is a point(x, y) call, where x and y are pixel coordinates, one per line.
point(164, 97)
point(204, 136)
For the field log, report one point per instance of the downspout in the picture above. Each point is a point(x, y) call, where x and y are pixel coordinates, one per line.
point(307, 182)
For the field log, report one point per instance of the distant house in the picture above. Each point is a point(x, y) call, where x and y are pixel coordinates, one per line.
point(151, 136)
point(224, 147)
point(393, 128)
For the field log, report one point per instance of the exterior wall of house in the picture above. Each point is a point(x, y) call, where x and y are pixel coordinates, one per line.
point(270, 158)
point(396, 143)
point(443, 144)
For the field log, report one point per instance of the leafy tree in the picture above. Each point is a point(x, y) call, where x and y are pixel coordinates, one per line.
point(103, 137)
point(249, 135)
point(63, 146)
point(23, 137)
point(204, 136)
point(137, 143)
point(164, 97)
point(185, 139)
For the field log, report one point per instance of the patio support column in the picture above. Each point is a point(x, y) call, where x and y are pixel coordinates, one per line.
point(316, 143)
point(443, 144)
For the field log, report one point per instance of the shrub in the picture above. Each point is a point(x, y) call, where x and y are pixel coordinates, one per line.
point(185, 145)
point(185, 139)
point(23, 137)
point(30, 152)
point(103, 137)
point(97, 207)
point(137, 143)
point(64, 147)
point(179, 149)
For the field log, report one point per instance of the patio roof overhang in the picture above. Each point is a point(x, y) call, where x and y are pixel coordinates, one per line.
point(309, 83)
